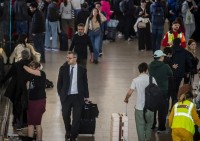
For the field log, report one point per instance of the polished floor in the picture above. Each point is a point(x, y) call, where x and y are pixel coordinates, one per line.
point(108, 84)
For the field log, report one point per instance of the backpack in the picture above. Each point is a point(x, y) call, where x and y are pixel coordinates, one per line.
point(158, 14)
point(153, 97)
point(53, 14)
point(122, 6)
point(178, 5)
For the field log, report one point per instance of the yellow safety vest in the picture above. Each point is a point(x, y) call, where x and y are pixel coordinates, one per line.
point(182, 116)
point(171, 37)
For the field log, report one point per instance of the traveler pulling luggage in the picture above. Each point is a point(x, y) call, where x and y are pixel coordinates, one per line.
point(119, 127)
point(88, 120)
point(63, 42)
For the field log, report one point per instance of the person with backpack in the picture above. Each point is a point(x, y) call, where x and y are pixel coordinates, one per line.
point(158, 12)
point(138, 86)
point(161, 72)
point(180, 57)
point(52, 25)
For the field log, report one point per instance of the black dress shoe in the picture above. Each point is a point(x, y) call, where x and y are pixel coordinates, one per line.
point(72, 139)
point(67, 137)
point(95, 61)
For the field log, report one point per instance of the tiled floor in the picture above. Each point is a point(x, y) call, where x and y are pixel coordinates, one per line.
point(108, 84)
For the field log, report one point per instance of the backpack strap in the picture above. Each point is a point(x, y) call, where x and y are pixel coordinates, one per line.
point(150, 80)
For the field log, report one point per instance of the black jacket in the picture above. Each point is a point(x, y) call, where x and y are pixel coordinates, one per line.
point(180, 57)
point(20, 10)
point(80, 44)
point(194, 61)
point(38, 22)
point(64, 82)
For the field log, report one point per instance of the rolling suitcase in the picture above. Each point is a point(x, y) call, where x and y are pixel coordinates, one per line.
point(119, 127)
point(112, 33)
point(63, 42)
point(87, 126)
point(88, 120)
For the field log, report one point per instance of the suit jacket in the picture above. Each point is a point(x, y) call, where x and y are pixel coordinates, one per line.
point(64, 82)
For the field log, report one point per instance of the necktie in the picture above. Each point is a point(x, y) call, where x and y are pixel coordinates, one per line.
point(70, 80)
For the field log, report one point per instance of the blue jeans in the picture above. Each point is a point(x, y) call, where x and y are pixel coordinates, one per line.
point(22, 27)
point(51, 30)
point(38, 41)
point(95, 37)
point(157, 36)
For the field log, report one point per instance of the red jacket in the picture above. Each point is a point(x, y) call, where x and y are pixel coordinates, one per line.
point(165, 41)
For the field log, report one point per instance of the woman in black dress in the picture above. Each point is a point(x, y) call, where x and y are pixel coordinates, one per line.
point(37, 99)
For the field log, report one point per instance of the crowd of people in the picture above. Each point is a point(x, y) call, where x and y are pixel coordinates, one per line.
point(30, 27)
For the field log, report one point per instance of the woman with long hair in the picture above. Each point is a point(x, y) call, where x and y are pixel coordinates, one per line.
point(67, 17)
point(37, 99)
point(144, 34)
point(22, 44)
point(94, 30)
point(184, 116)
point(191, 49)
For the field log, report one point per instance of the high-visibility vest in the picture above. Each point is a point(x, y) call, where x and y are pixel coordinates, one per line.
point(171, 37)
point(182, 116)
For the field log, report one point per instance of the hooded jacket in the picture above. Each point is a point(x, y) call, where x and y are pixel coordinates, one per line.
point(161, 72)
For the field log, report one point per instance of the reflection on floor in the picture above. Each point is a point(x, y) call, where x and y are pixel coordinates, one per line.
point(108, 84)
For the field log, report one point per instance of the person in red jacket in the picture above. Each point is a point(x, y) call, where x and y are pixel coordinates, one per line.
point(171, 35)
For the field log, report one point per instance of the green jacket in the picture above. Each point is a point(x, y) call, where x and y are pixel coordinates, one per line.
point(161, 72)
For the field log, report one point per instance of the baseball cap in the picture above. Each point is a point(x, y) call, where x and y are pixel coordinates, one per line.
point(158, 53)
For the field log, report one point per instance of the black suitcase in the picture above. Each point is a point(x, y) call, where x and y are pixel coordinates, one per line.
point(88, 119)
point(63, 42)
point(112, 33)
point(87, 126)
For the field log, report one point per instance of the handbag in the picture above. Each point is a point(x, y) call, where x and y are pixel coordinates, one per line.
point(141, 25)
point(189, 17)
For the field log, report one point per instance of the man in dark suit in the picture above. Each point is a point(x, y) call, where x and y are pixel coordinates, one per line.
point(72, 87)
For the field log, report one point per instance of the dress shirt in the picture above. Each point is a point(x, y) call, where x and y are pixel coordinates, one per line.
point(74, 88)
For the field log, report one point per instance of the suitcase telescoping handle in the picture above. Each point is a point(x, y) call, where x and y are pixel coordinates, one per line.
point(126, 109)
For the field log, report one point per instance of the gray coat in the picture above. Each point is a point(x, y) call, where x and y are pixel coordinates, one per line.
point(184, 9)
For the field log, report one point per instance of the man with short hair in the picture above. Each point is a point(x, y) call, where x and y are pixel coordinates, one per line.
point(51, 25)
point(138, 85)
point(38, 29)
point(79, 44)
point(161, 72)
point(72, 87)
point(173, 34)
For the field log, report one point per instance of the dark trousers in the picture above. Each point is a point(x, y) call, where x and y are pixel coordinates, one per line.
point(144, 38)
point(128, 27)
point(157, 35)
point(177, 83)
point(162, 113)
point(38, 41)
point(172, 90)
point(82, 62)
point(72, 104)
